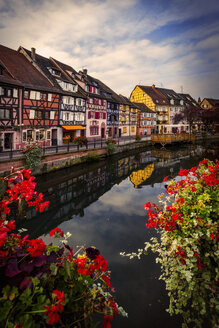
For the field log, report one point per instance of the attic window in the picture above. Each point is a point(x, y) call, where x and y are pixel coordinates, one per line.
point(164, 101)
point(157, 101)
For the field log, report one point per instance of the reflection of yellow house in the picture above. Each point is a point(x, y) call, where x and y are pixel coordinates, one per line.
point(138, 177)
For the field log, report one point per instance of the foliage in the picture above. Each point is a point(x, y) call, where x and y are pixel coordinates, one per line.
point(189, 114)
point(110, 146)
point(32, 154)
point(137, 137)
point(80, 141)
point(110, 140)
point(188, 246)
point(45, 285)
point(210, 117)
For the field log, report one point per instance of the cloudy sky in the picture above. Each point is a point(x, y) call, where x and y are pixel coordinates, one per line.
point(171, 43)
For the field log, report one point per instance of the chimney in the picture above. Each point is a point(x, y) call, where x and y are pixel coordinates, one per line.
point(153, 85)
point(33, 54)
point(85, 71)
point(199, 100)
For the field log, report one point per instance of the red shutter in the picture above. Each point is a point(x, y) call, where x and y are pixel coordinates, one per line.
point(90, 89)
point(96, 115)
point(102, 102)
point(89, 114)
point(104, 116)
point(88, 100)
point(95, 101)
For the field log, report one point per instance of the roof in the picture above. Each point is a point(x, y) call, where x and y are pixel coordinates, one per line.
point(189, 101)
point(45, 64)
point(125, 100)
point(156, 96)
point(170, 94)
point(143, 108)
point(22, 70)
point(213, 102)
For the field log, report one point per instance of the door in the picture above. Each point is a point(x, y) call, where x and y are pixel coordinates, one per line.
point(8, 141)
point(102, 132)
point(54, 137)
point(120, 133)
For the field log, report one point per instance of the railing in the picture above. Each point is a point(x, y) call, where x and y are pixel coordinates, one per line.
point(170, 137)
point(71, 147)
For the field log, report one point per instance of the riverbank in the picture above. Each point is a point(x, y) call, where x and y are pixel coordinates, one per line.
point(50, 163)
point(54, 162)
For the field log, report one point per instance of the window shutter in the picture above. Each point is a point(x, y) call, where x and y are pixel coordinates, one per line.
point(52, 115)
point(104, 116)
point(14, 93)
point(89, 114)
point(96, 115)
point(37, 95)
point(90, 89)
point(32, 94)
point(49, 97)
point(88, 100)
point(32, 114)
point(94, 101)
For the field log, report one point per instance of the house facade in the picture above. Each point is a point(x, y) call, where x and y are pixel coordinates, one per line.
point(72, 101)
point(37, 103)
point(146, 120)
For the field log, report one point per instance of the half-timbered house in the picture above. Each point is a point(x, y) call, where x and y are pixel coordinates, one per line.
point(39, 102)
point(146, 120)
point(72, 102)
point(96, 105)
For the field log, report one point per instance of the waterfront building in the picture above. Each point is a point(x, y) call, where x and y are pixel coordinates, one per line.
point(133, 120)
point(209, 103)
point(124, 117)
point(146, 120)
point(29, 103)
point(72, 103)
point(155, 101)
point(95, 107)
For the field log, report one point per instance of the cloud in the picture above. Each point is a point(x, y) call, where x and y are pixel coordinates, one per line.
point(111, 39)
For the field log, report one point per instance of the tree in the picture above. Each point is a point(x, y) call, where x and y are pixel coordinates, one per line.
point(191, 115)
point(210, 119)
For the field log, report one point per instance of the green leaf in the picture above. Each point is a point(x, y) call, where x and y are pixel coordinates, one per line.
point(3, 186)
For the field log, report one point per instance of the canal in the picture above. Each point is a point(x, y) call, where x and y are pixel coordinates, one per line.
point(102, 204)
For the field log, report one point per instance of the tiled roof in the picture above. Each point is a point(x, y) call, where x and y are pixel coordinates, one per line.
point(170, 94)
point(23, 71)
point(143, 108)
point(125, 100)
point(155, 95)
point(188, 100)
point(45, 64)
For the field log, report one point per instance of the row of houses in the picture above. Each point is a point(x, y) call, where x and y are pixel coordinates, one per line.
point(48, 102)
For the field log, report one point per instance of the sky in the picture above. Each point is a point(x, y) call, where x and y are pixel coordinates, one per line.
point(170, 43)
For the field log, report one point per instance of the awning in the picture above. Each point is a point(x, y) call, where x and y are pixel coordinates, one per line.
point(73, 127)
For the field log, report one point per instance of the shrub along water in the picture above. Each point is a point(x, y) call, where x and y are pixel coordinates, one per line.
point(32, 154)
point(45, 285)
point(187, 221)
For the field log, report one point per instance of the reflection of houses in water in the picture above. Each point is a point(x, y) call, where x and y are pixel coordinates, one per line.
point(140, 176)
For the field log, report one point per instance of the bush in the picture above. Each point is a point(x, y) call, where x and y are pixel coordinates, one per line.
point(110, 141)
point(45, 285)
point(137, 137)
point(80, 141)
point(33, 155)
point(188, 246)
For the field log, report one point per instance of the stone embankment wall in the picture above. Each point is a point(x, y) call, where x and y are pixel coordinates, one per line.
point(54, 162)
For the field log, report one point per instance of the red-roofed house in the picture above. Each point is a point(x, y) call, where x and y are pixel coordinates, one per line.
point(33, 117)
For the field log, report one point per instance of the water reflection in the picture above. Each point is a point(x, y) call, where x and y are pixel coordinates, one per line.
point(103, 205)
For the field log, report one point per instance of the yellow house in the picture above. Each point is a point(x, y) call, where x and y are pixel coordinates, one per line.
point(124, 116)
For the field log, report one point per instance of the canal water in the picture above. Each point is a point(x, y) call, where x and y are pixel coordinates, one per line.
point(102, 204)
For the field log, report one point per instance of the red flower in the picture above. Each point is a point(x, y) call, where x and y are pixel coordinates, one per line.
point(57, 232)
point(183, 172)
point(107, 321)
point(147, 206)
point(36, 247)
point(106, 279)
point(165, 178)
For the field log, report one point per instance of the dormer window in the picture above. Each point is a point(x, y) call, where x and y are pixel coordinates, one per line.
point(157, 101)
point(172, 101)
point(181, 102)
point(164, 101)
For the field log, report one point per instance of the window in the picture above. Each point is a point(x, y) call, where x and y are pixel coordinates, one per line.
point(48, 135)
point(38, 114)
point(52, 115)
point(92, 114)
point(24, 138)
point(101, 115)
point(26, 94)
point(94, 130)
point(4, 114)
point(43, 96)
point(35, 95)
point(32, 114)
point(46, 115)
point(132, 129)
point(124, 130)
point(15, 93)
point(29, 135)
point(66, 116)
